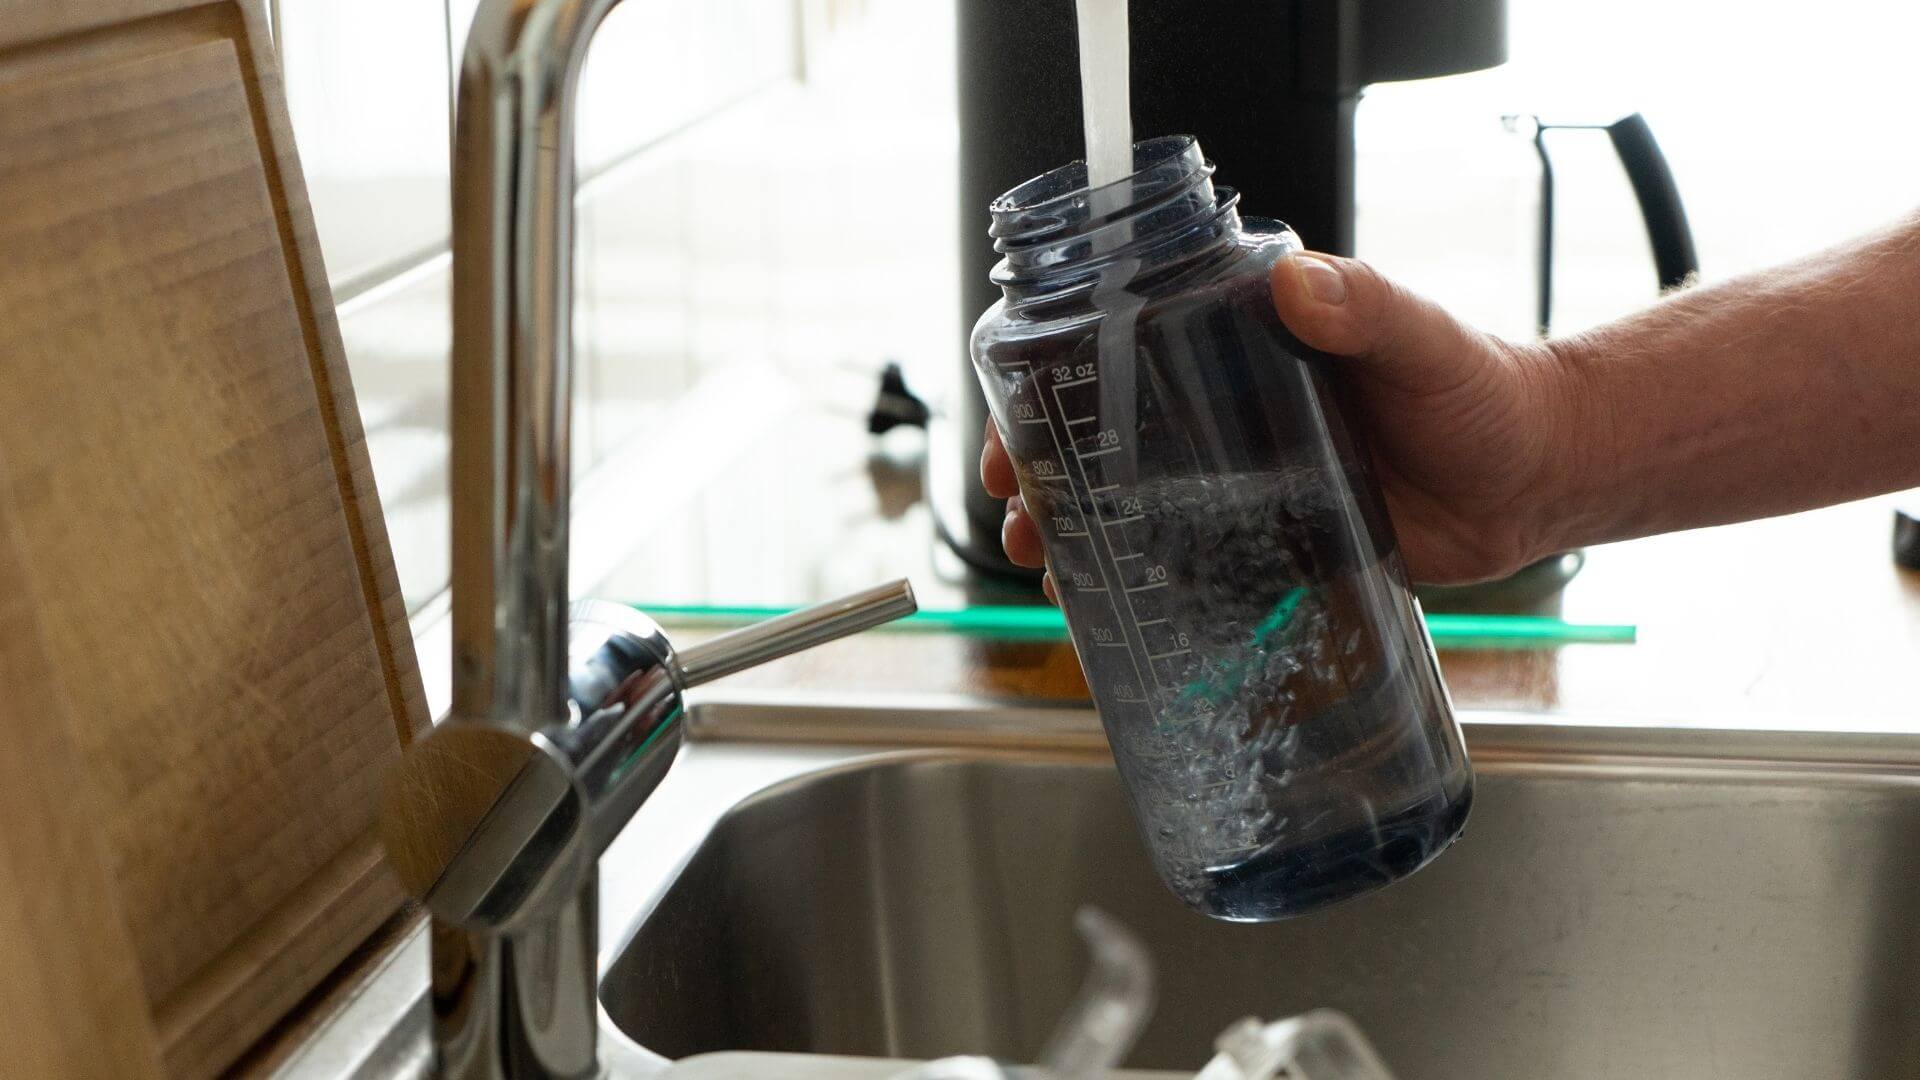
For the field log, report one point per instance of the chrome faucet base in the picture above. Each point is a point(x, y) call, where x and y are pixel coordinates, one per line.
point(498, 832)
point(500, 1009)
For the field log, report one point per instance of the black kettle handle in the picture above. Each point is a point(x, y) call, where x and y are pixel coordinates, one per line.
point(1674, 258)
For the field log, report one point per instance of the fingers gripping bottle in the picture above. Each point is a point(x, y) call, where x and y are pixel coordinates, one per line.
point(1221, 550)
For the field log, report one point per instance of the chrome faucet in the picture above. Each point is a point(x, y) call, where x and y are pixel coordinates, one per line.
point(565, 716)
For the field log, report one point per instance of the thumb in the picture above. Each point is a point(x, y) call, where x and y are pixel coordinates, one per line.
point(1345, 307)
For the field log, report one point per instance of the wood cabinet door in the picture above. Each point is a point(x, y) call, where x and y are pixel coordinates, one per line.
point(205, 660)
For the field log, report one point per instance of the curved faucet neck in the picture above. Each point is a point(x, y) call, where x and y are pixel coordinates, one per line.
point(511, 402)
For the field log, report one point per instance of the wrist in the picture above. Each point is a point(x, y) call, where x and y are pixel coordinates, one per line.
point(1573, 497)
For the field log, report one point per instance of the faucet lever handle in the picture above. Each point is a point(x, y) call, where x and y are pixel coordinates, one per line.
point(754, 645)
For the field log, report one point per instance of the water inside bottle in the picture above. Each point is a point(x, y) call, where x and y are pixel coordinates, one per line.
point(1273, 770)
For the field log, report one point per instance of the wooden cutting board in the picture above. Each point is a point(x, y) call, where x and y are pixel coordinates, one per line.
point(204, 659)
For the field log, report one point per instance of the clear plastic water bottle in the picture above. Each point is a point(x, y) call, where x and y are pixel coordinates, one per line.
point(1221, 550)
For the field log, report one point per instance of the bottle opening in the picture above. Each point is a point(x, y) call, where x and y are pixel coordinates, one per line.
point(1057, 222)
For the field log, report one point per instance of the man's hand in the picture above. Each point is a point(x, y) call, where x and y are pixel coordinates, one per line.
point(1463, 427)
point(1467, 431)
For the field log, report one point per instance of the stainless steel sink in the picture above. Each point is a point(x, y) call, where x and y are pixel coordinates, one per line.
point(1643, 902)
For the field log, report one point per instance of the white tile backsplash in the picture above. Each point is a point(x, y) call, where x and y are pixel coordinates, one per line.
point(657, 66)
point(647, 73)
point(398, 339)
point(678, 260)
point(367, 89)
point(634, 329)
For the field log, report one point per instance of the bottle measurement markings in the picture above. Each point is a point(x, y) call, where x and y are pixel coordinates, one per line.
point(1106, 554)
point(1076, 467)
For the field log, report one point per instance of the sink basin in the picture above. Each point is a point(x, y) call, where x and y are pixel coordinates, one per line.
point(1625, 902)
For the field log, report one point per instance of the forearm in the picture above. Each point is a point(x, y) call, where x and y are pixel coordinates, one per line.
point(1777, 392)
